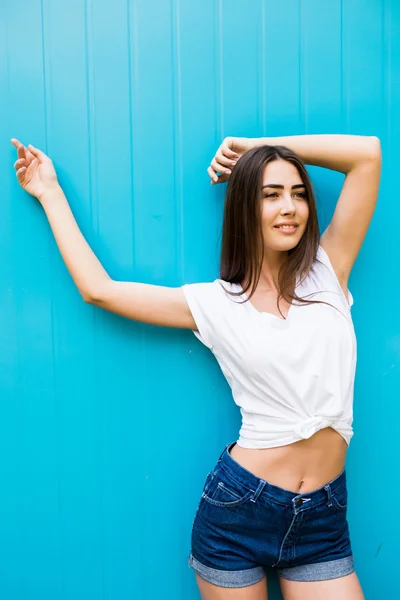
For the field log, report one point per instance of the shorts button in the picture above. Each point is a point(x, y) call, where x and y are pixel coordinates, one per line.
point(299, 501)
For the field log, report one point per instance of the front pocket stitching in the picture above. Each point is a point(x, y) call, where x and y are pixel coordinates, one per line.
point(227, 504)
point(337, 504)
point(228, 491)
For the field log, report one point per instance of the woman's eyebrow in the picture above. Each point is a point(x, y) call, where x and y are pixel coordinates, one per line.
point(281, 187)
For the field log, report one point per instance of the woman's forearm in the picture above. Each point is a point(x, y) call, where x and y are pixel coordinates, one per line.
point(332, 151)
point(84, 267)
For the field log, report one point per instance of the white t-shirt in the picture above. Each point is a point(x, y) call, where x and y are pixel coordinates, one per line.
point(290, 377)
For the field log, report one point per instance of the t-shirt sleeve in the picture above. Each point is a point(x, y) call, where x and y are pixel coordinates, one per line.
point(324, 258)
point(206, 301)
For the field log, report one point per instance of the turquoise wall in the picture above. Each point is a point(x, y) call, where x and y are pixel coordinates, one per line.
point(108, 427)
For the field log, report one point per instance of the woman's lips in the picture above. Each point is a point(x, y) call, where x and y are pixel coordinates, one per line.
point(286, 228)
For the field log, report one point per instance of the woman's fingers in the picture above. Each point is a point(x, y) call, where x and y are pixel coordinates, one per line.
point(227, 151)
point(16, 143)
point(212, 174)
point(24, 153)
point(218, 168)
point(214, 177)
point(27, 153)
point(223, 160)
point(20, 163)
point(41, 156)
point(21, 151)
point(21, 174)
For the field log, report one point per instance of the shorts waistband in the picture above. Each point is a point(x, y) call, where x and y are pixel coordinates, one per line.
point(276, 493)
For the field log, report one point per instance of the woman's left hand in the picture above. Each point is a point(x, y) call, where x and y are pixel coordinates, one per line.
point(229, 152)
point(34, 170)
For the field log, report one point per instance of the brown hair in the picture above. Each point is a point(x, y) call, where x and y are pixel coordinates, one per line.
point(242, 237)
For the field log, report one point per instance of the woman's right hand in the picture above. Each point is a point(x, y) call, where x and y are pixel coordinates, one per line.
point(34, 169)
point(226, 157)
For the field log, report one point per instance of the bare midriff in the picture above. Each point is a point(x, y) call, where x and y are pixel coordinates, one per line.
point(303, 466)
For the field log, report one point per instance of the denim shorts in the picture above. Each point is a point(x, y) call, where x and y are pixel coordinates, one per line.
point(244, 524)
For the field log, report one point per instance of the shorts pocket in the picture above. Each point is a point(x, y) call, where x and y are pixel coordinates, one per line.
point(339, 498)
point(223, 490)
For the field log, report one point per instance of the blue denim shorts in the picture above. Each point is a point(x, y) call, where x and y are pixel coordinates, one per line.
point(244, 524)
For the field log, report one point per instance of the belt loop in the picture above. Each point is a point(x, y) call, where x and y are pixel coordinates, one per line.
point(223, 452)
point(328, 490)
point(258, 491)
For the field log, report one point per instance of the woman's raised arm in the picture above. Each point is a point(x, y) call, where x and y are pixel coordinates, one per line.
point(358, 157)
point(152, 304)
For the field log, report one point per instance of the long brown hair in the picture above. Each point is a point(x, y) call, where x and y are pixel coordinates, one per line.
point(242, 236)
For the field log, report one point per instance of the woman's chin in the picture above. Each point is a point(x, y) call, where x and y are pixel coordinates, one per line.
point(282, 245)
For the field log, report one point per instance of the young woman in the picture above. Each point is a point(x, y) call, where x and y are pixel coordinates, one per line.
point(279, 324)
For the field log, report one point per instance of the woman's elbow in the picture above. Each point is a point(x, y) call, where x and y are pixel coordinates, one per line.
point(375, 149)
point(87, 298)
point(95, 296)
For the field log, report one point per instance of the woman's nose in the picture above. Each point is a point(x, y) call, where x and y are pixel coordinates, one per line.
point(288, 205)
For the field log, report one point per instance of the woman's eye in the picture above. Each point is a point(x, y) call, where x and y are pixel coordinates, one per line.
point(301, 195)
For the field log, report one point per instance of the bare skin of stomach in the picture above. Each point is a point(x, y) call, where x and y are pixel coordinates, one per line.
point(300, 467)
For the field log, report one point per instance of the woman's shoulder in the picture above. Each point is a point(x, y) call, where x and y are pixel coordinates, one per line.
point(213, 308)
point(322, 277)
point(218, 290)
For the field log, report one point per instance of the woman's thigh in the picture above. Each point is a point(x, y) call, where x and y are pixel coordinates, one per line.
point(345, 588)
point(208, 591)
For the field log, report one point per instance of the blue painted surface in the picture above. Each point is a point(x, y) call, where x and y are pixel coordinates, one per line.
point(108, 427)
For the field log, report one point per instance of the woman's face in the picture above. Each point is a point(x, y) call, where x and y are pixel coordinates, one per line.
point(283, 197)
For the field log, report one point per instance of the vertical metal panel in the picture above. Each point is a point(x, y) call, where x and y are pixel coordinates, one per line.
point(108, 427)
